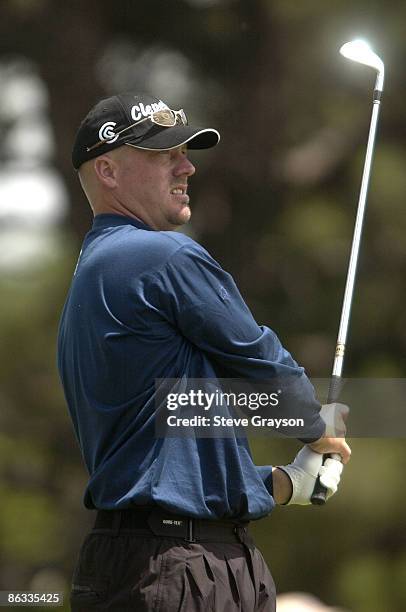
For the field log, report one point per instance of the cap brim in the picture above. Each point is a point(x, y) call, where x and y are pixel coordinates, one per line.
point(170, 138)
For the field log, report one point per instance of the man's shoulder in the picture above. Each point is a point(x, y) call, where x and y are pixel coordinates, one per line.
point(142, 249)
point(164, 244)
point(174, 240)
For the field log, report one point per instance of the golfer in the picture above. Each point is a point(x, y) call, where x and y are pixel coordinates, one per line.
point(148, 304)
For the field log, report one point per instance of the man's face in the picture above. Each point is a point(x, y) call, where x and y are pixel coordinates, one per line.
point(152, 185)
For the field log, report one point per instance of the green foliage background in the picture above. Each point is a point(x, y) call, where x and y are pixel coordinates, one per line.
point(275, 204)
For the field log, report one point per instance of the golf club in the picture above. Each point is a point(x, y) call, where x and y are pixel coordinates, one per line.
point(357, 51)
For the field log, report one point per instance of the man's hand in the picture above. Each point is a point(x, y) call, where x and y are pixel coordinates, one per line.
point(335, 415)
point(325, 446)
point(333, 441)
point(303, 473)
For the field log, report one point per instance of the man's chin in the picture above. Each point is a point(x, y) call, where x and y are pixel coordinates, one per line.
point(176, 218)
point(182, 217)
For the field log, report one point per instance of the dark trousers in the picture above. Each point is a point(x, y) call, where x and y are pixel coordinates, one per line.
point(137, 570)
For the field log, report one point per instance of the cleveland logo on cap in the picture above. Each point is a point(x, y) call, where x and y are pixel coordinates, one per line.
point(139, 110)
point(107, 133)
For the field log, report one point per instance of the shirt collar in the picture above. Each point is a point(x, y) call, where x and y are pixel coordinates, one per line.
point(105, 220)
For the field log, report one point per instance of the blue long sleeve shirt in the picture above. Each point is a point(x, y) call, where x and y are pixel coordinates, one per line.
point(146, 305)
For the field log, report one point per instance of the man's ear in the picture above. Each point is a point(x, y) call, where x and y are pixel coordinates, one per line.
point(106, 171)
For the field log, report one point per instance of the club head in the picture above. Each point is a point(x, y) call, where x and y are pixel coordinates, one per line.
point(359, 51)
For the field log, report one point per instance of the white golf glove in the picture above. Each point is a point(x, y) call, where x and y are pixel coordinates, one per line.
point(303, 473)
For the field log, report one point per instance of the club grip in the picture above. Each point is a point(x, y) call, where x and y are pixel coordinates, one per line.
point(319, 494)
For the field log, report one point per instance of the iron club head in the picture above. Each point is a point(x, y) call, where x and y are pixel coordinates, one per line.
point(359, 51)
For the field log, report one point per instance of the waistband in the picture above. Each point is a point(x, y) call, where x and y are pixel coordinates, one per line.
point(158, 522)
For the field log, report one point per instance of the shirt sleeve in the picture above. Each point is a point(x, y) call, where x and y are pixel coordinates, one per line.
point(204, 303)
point(265, 473)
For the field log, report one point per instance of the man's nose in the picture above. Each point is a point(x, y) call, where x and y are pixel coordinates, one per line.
point(184, 166)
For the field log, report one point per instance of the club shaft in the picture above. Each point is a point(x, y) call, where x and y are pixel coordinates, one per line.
point(356, 242)
point(320, 492)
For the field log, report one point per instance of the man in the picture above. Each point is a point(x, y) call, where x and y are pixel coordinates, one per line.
point(147, 304)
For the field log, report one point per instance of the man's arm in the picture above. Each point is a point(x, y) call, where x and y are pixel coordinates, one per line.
point(282, 486)
point(201, 300)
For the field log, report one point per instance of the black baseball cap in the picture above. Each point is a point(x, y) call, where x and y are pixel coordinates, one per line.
point(99, 131)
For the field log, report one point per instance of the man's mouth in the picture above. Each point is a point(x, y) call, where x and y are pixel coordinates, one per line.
point(179, 190)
